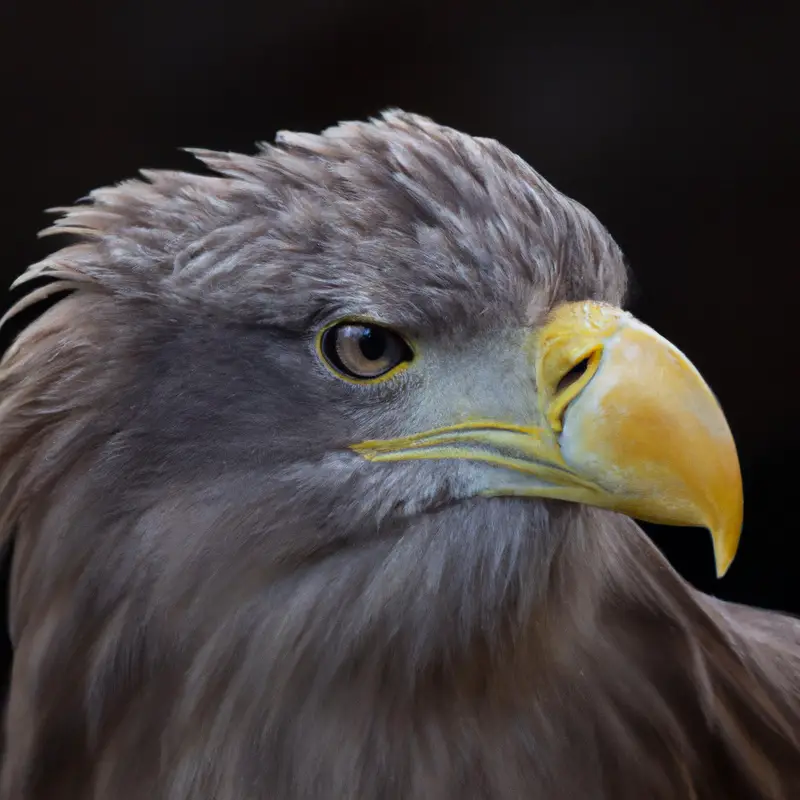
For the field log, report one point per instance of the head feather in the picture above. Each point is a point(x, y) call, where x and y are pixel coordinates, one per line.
point(401, 199)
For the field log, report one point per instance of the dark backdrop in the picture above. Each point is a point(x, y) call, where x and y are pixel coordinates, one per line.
point(677, 125)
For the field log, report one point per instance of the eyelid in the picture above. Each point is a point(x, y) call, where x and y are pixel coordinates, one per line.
point(365, 322)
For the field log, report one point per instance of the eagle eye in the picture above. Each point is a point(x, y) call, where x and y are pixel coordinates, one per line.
point(362, 351)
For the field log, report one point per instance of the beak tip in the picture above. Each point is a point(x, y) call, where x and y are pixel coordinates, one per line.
point(725, 547)
point(722, 568)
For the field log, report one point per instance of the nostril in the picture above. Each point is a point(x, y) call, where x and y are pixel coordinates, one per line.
point(573, 375)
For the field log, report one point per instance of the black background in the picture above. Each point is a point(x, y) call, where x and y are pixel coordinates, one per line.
point(676, 123)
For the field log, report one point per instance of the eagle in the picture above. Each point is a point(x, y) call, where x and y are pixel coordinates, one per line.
point(321, 476)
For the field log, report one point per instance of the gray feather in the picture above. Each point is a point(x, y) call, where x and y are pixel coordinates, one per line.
point(212, 596)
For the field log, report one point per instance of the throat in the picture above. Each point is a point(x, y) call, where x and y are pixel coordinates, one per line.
point(486, 629)
point(465, 592)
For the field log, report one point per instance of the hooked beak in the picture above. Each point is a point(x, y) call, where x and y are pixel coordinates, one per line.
point(626, 423)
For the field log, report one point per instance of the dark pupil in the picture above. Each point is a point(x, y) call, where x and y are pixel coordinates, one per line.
point(372, 343)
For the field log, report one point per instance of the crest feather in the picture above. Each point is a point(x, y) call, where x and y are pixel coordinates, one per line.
point(409, 201)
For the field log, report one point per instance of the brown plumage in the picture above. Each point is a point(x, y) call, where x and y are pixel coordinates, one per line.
point(215, 596)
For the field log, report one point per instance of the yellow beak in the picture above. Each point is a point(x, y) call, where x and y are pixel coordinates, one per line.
point(626, 423)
